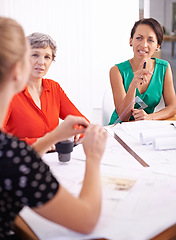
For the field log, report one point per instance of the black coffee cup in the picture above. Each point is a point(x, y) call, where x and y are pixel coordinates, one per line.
point(64, 150)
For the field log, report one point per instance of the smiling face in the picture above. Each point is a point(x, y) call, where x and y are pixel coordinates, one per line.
point(144, 42)
point(41, 59)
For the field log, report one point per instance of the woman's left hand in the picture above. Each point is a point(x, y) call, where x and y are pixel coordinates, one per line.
point(140, 114)
point(78, 137)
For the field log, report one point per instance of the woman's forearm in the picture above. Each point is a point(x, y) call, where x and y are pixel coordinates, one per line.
point(125, 108)
point(163, 114)
point(42, 144)
point(91, 190)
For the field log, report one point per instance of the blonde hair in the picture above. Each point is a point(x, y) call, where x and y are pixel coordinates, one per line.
point(12, 45)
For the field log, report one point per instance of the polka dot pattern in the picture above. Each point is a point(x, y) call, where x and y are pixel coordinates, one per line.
point(24, 180)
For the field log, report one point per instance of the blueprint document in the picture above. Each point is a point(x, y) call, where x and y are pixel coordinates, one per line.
point(137, 202)
point(142, 210)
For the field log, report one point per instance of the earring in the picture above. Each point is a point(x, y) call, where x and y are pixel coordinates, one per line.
point(130, 45)
point(157, 50)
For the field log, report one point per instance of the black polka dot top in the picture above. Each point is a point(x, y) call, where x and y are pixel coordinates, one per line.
point(24, 180)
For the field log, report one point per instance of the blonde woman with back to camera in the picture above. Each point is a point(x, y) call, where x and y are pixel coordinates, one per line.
point(20, 163)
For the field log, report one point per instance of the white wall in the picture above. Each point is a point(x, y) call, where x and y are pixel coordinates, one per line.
point(92, 35)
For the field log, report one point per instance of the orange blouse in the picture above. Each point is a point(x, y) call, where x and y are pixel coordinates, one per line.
point(28, 122)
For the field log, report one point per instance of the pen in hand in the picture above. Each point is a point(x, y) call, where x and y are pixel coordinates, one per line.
point(144, 66)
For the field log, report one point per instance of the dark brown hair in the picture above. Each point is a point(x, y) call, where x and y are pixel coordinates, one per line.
point(154, 24)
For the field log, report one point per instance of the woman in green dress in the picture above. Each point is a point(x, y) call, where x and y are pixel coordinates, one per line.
point(130, 78)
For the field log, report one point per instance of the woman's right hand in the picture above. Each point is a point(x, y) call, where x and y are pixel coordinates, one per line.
point(94, 142)
point(71, 126)
point(140, 76)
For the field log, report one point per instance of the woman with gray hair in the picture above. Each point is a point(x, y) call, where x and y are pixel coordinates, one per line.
point(41, 40)
point(37, 109)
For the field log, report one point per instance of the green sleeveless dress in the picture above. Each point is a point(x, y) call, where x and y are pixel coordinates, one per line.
point(154, 91)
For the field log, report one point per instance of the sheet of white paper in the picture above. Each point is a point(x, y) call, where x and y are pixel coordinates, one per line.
point(144, 211)
point(114, 155)
point(69, 174)
point(150, 206)
point(138, 203)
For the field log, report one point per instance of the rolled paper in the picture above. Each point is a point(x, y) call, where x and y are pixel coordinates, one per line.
point(147, 136)
point(164, 143)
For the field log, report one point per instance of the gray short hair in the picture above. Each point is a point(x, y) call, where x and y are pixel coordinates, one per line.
point(41, 40)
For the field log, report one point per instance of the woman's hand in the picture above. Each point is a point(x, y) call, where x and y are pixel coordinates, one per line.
point(94, 142)
point(71, 126)
point(78, 137)
point(140, 114)
point(52, 148)
point(140, 76)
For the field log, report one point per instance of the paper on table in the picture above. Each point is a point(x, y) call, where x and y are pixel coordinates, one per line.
point(138, 212)
point(133, 129)
point(149, 208)
point(164, 143)
point(69, 174)
point(117, 182)
point(160, 161)
point(114, 155)
point(147, 136)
